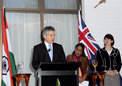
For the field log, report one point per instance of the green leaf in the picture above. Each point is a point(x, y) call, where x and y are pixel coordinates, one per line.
point(58, 82)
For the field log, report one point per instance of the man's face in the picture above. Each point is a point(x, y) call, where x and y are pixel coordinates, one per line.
point(50, 37)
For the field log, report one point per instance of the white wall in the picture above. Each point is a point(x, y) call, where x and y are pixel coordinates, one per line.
point(106, 18)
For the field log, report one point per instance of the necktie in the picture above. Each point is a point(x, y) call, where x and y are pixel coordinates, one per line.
point(51, 52)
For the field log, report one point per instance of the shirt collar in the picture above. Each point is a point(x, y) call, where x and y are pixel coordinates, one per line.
point(47, 45)
point(105, 50)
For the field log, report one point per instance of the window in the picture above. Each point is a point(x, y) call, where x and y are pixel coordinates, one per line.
point(21, 3)
point(61, 4)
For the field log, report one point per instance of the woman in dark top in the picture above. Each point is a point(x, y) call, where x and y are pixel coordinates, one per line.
point(109, 61)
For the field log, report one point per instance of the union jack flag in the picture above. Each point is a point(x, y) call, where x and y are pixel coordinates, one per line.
point(86, 38)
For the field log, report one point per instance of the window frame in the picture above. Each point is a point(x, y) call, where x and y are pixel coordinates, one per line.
point(42, 10)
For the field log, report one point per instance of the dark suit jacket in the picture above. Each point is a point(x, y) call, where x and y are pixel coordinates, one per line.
point(40, 54)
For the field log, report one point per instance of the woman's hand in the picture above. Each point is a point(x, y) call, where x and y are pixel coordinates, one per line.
point(108, 72)
point(111, 73)
point(114, 72)
point(105, 71)
point(81, 79)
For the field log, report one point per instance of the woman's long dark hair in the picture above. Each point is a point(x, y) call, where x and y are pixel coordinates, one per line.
point(83, 47)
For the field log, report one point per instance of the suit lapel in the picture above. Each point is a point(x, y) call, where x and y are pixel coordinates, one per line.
point(54, 52)
point(47, 57)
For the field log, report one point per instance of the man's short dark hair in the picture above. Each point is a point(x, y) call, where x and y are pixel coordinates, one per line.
point(45, 31)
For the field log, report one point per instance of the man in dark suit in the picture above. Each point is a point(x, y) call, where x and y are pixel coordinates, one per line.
point(48, 51)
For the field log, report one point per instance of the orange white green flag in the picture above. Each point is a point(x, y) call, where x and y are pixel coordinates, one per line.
point(8, 62)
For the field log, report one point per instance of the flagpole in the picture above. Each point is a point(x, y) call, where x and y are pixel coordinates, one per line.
point(80, 5)
point(0, 47)
point(1, 5)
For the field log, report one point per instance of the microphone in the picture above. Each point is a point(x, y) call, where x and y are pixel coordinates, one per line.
point(48, 50)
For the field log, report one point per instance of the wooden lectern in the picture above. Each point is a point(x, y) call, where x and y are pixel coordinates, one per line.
point(66, 73)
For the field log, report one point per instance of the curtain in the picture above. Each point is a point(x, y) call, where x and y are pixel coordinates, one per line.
point(66, 26)
point(24, 29)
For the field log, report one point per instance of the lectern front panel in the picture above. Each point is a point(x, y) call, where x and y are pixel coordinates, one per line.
point(67, 80)
point(65, 73)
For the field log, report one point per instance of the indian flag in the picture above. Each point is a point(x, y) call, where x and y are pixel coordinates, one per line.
point(8, 63)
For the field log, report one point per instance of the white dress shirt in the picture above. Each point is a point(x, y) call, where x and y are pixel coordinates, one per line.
point(49, 50)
